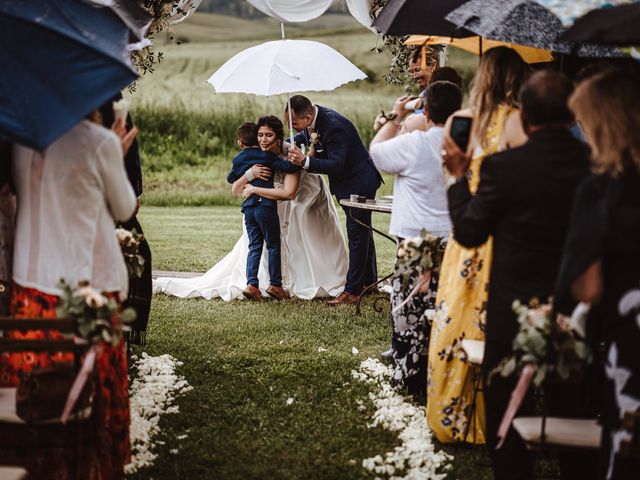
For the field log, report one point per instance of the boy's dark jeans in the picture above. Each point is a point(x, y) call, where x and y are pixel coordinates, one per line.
point(263, 225)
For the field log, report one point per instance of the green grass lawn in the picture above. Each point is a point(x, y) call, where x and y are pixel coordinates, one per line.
point(245, 359)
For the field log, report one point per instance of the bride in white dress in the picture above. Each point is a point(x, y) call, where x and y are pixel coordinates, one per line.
point(313, 252)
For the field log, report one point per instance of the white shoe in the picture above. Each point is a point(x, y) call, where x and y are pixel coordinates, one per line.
point(388, 354)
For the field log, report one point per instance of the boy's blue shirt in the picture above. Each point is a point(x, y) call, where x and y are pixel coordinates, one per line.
point(247, 158)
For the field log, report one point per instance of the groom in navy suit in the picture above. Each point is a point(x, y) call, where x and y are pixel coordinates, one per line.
point(339, 152)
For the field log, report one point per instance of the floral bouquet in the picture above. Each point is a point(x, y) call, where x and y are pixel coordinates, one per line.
point(418, 257)
point(93, 311)
point(542, 349)
point(555, 349)
point(130, 244)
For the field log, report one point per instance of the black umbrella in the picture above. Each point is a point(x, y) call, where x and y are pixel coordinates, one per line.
point(524, 22)
point(419, 17)
point(607, 26)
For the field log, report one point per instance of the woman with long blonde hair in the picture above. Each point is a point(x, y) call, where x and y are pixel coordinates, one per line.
point(464, 277)
point(601, 261)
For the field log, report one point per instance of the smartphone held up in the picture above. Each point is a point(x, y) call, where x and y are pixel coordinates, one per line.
point(461, 131)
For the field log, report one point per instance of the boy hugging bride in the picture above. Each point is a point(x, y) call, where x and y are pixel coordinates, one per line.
point(298, 221)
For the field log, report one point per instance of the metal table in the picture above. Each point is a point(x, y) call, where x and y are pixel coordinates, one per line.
point(381, 206)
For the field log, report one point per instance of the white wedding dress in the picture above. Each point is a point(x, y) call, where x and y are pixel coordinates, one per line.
point(314, 256)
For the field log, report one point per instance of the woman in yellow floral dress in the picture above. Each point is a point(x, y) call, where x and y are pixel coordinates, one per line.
point(464, 277)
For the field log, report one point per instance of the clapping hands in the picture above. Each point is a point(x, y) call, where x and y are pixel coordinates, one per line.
point(126, 138)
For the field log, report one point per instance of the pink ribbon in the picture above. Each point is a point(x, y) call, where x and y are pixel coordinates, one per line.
point(516, 400)
point(78, 384)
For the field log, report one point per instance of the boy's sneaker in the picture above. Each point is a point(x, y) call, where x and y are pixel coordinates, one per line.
point(252, 293)
point(278, 293)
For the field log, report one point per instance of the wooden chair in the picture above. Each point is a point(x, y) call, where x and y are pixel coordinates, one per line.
point(20, 439)
point(553, 432)
point(474, 350)
point(12, 473)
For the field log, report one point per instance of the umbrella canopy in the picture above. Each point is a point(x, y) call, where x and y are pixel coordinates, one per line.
point(132, 15)
point(285, 66)
point(607, 26)
point(424, 17)
point(360, 10)
point(569, 12)
point(474, 44)
point(292, 10)
point(523, 22)
point(60, 60)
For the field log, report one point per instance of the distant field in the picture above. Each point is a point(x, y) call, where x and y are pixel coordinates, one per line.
point(209, 27)
point(188, 132)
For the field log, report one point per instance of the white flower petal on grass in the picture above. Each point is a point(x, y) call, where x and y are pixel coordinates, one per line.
point(280, 342)
point(152, 392)
point(290, 401)
point(355, 351)
point(416, 457)
point(321, 349)
point(174, 451)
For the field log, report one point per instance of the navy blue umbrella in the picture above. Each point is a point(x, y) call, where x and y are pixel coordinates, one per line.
point(59, 61)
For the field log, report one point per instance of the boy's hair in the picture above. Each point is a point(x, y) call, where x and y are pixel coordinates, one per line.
point(248, 134)
point(443, 99)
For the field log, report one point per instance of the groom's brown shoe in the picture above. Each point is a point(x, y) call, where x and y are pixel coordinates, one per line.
point(278, 293)
point(345, 298)
point(252, 293)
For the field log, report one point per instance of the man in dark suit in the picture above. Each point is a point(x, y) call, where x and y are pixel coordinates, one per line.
point(339, 152)
point(523, 201)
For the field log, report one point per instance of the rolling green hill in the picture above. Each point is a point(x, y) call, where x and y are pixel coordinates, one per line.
point(212, 27)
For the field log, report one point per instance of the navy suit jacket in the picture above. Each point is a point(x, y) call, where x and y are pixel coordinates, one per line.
point(340, 153)
point(247, 158)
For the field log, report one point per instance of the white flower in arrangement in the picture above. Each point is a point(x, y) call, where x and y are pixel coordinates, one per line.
point(355, 351)
point(92, 297)
point(124, 236)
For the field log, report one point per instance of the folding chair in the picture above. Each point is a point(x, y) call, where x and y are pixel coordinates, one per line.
point(20, 439)
point(474, 350)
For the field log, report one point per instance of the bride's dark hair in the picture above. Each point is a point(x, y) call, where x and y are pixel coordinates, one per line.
point(274, 123)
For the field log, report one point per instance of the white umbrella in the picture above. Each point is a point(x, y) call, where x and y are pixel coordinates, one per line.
point(285, 66)
point(292, 10)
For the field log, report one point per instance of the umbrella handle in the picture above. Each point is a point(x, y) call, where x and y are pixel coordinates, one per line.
point(288, 97)
point(290, 120)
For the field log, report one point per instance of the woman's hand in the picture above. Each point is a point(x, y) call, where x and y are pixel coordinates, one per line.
point(399, 107)
point(261, 172)
point(126, 138)
point(248, 191)
point(456, 161)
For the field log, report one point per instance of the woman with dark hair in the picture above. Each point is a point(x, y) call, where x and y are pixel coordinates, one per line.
point(601, 260)
point(309, 230)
